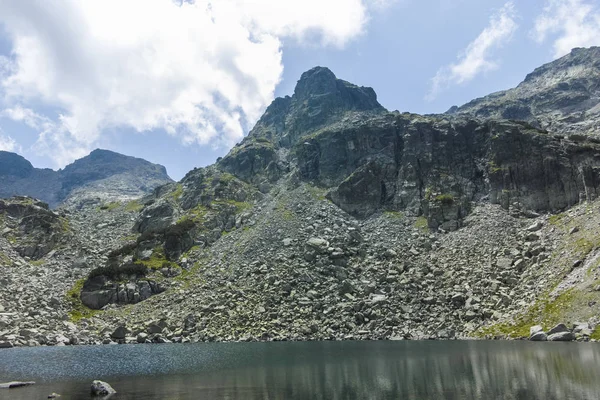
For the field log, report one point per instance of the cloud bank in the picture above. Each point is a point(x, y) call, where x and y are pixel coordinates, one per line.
point(476, 58)
point(571, 23)
point(202, 70)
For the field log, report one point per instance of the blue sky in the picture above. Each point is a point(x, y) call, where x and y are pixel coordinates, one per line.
point(180, 83)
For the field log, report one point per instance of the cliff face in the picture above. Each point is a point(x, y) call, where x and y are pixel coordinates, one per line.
point(562, 96)
point(370, 159)
point(103, 175)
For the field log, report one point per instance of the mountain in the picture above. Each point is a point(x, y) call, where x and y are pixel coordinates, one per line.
point(102, 174)
point(562, 96)
point(333, 219)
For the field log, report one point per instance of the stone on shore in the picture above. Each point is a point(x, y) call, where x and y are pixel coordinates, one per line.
point(100, 388)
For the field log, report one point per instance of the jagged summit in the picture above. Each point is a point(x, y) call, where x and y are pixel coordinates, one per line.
point(320, 81)
point(562, 96)
point(319, 98)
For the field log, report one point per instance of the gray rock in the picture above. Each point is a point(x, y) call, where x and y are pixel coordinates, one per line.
point(100, 388)
point(539, 336)
point(535, 227)
point(142, 337)
point(561, 337)
point(558, 329)
point(535, 329)
point(15, 384)
point(119, 333)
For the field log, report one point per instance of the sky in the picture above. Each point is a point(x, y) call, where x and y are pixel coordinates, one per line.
point(179, 82)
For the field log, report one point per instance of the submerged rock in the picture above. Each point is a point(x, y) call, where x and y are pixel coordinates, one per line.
point(15, 384)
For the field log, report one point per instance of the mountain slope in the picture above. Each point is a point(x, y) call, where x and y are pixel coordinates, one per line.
point(334, 219)
point(103, 174)
point(562, 96)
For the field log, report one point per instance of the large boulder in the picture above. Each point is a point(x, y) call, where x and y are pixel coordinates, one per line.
point(100, 388)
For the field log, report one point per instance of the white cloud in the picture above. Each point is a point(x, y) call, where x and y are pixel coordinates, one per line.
point(8, 144)
point(476, 58)
point(572, 23)
point(203, 70)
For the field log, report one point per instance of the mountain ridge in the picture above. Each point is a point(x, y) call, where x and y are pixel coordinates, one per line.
point(19, 177)
point(562, 96)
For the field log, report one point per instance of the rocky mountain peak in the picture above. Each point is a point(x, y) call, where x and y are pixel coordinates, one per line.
point(562, 96)
point(315, 81)
point(14, 164)
point(100, 175)
point(319, 84)
point(577, 63)
point(319, 98)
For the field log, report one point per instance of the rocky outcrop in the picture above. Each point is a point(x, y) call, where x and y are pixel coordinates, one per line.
point(562, 96)
point(436, 167)
point(99, 291)
point(103, 176)
point(32, 229)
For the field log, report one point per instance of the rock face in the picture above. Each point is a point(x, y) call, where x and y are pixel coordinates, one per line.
point(100, 291)
point(562, 96)
point(31, 226)
point(337, 136)
point(103, 174)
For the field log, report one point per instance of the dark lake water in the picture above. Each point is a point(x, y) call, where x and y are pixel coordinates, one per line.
point(311, 370)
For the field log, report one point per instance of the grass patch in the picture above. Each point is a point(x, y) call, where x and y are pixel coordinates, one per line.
point(421, 223)
point(113, 205)
point(196, 215)
point(494, 168)
point(78, 310)
point(239, 205)
point(156, 261)
point(394, 214)
point(316, 192)
point(65, 226)
point(38, 263)
point(5, 261)
point(446, 199)
point(128, 238)
point(556, 219)
point(134, 206)
point(584, 246)
point(178, 192)
point(544, 312)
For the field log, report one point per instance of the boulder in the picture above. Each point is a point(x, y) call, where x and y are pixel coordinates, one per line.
point(561, 337)
point(119, 333)
point(317, 244)
point(100, 388)
point(539, 336)
point(558, 329)
point(535, 329)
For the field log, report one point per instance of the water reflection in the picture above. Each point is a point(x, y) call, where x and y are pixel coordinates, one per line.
point(326, 370)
